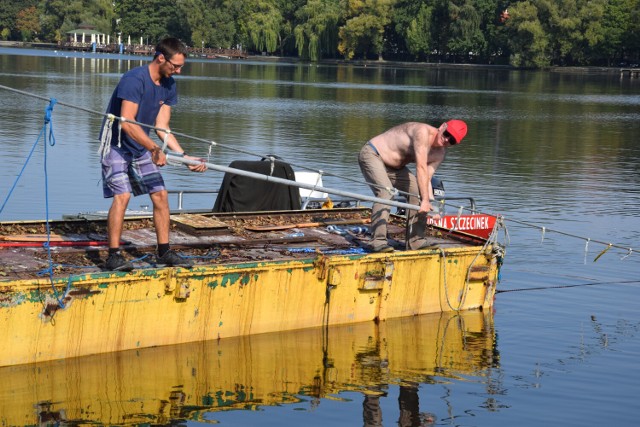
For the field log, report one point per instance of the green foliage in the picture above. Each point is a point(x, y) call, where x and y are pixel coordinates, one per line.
point(59, 16)
point(150, 19)
point(207, 23)
point(27, 23)
point(466, 37)
point(534, 33)
point(364, 27)
point(412, 22)
point(9, 10)
point(616, 31)
point(528, 39)
point(317, 28)
point(261, 22)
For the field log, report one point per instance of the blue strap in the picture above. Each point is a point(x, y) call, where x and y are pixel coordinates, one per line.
point(47, 120)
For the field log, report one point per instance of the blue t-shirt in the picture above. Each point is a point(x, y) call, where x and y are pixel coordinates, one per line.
point(136, 86)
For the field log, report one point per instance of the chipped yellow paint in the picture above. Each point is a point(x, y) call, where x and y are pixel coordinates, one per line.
point(173, 383)
point(105, 312)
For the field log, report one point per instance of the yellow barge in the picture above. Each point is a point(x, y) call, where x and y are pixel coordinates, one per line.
point(254, 273)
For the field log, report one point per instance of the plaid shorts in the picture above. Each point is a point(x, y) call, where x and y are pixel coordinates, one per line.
point(123, 173)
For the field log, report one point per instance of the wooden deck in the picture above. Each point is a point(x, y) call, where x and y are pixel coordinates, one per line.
point(243, 238)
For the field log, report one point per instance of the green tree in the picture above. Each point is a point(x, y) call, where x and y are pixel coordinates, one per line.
point(631, 39)
point(363, 31)
point(317, 29)
point(493, 18)
point(528, 39)
point(563, 22)
point(286, 39)
point(9, 14)
point(412, 22)
point(466, 37)
point(617, 23)
point(152, 20)
point(28, 24)
point(59, 16)
point(261, 22)
point(211, 23)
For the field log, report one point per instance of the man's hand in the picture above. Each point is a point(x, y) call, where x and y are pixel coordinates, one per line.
point(158, 157)
point(427, 210)
point(425, 206)
point(197, 168)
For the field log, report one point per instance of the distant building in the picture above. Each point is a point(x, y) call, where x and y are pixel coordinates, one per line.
point(87, 35)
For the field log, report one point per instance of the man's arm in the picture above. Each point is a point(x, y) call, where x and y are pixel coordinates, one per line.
point(162, 122)
point(128, 111)
point(421, 149)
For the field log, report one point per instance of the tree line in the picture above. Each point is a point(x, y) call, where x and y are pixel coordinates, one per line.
point(527, 33)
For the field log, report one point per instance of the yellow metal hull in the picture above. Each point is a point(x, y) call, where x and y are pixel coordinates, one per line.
point(188, 382)
point(106, 312)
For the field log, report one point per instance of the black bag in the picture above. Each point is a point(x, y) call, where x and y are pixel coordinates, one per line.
point(239, 193)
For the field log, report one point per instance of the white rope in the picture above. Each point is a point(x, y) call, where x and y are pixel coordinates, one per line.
point(165, 140)
point(320, 172)
point(105, 136)
point(455, 225)
point(210, 151)
point(491, 240)
point(273, 165)
point(586, 239)
point(586, 250)
point(120, 133)
point(444, 280)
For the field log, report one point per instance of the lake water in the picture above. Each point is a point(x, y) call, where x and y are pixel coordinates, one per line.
point(556, 153)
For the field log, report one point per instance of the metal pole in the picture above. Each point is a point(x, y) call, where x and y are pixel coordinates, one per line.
point(348, 194)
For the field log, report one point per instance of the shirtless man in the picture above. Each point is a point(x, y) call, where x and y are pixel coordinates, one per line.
point(383, 162)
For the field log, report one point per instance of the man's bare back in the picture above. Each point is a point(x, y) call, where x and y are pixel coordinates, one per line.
point(398, 146)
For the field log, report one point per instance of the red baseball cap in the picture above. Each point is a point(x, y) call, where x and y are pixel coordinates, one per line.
point(457, 129)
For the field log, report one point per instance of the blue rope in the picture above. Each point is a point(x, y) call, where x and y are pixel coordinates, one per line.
point(214, 254)
point(51, 139)
point(350, 251)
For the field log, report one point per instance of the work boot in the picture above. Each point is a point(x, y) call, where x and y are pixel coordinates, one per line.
point(173, 259)
point(382, 248)
point(116, 262)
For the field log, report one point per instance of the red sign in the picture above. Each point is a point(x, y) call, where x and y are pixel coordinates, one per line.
point(479, 224)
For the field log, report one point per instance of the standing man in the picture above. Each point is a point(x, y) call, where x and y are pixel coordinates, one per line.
point(383, 162)
point(131, 159)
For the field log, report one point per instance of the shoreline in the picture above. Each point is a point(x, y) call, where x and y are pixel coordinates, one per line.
point(358, 63)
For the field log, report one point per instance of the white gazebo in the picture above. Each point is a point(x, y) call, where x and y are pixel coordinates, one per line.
point(86, 35)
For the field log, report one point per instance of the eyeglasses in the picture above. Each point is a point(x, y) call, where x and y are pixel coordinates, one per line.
point(175, 66)
point(449, 138)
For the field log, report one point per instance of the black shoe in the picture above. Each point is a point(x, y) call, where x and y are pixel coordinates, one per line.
point(172, 259)
point(116, 262)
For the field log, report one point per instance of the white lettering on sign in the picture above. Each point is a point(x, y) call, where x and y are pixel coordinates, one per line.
point(464, 222)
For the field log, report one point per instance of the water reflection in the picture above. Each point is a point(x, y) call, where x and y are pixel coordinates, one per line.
point(192, 382)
